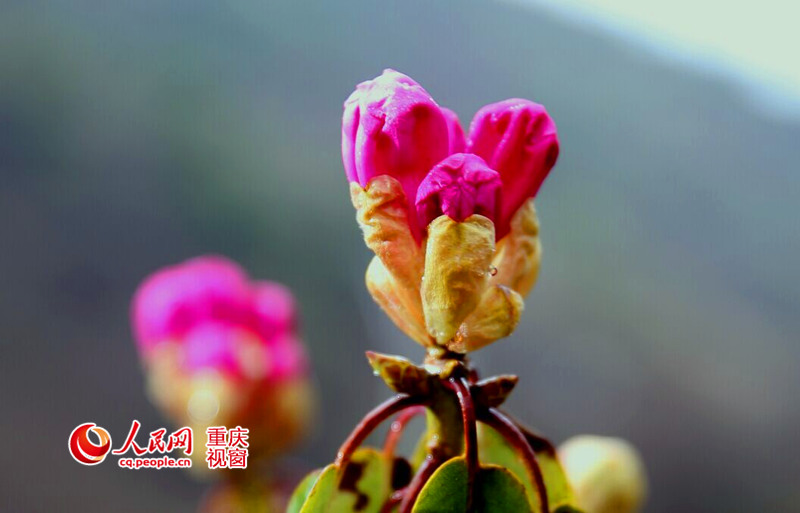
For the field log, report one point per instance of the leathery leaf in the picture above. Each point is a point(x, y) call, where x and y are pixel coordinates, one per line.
point(493, 449)
point(446, 490)
point(497, 490)
point(363, 486)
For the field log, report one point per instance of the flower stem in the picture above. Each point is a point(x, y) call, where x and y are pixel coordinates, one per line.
point(393, 501)
point(516, 437)
point(537, 442)
point(371, 421)
point(396, 431)
point(426, 470)
point(448, 422)
point(461, 387)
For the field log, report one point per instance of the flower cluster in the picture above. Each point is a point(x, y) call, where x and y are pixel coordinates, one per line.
point(219, 349)
point(455, 210)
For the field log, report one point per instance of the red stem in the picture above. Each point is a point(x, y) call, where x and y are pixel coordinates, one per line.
point(426, 470)
point(371, 421)
point(461, 388)
point(393, 501)
point(513, 435)
point(396, 430)
point(537, 442)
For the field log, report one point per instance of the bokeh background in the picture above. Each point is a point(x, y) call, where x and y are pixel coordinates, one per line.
point(138, 134)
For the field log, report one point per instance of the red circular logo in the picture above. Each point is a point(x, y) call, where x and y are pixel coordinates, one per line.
point(84, 450)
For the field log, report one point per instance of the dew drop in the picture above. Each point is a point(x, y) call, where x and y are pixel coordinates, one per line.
point(492, 270)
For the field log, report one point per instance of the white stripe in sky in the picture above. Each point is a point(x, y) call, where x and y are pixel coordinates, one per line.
point(757, 43)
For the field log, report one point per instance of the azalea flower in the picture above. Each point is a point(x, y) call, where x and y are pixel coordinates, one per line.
point(455, 210)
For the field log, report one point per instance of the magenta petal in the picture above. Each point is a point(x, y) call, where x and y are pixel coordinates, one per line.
point(217, 319)
point(173, 300)
point(288, 358)
point(350, 120)
point(212, 346)
point(459, 186)
point(455, 134)
point(274, 308)
point(391, 126)
point(518, 139)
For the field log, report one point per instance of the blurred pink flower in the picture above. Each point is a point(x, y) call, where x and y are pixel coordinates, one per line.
point(392, 126)
point(220, 320)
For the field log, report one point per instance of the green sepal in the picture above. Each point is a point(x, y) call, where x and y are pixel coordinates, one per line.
point(400, 374)
point(492, 392)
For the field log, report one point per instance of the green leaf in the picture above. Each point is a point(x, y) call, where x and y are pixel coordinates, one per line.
point(497, 490)
point(363, 486)
point(493, 449)
point(301, 492)
point(420, 451)
point(321, 492)
point(400, 374)
point(446, 490)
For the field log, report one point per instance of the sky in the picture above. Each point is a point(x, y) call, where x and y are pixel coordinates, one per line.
point(756, 43)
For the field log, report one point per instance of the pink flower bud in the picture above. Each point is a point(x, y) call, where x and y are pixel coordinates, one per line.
point(218, 319)
point(391, 126)
point(459, 186)
point(518, 139)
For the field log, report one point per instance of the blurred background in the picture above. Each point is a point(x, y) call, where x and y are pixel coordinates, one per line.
point(138, 134)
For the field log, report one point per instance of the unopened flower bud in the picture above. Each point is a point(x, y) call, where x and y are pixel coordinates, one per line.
point(459, 186)
point(518, 139)
point(391, 126)
point(607, 474)
point(429, 202)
